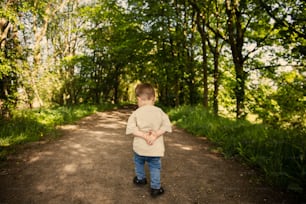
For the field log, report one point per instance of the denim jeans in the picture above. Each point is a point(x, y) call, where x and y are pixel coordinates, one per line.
point(154, 164)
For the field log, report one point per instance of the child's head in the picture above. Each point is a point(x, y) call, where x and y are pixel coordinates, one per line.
point(145, 92)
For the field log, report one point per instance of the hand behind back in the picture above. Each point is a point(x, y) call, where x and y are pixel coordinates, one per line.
point(150, 137)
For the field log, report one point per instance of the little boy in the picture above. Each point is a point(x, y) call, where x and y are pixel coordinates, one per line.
point(148, 124)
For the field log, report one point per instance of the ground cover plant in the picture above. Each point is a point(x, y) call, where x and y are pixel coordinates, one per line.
point(277, 153)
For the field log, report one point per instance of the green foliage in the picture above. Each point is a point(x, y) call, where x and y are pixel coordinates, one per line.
point(279, 154)
point(33, 125)
point(282, 105)
point(292, 112)
point(109, 63)
point(10, 56)
point(289, 19)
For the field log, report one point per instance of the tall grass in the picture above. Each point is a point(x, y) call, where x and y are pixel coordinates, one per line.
point(279, 154)
point(33, 125)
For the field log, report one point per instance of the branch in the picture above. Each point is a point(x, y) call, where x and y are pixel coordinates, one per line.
point(49, 16)
point(275, 66)
point(5, 27)
point(216, 32)
point(281, 21)
point(247, 24)
point(257, 46)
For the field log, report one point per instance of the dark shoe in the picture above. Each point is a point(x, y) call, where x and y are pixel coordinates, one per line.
point(139, 182)
point(157, 192)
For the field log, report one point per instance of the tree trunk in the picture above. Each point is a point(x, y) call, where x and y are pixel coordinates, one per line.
point(116, 84)
point(4, 93)
point(201, 21)
point(216, 49)
point(216, 79)
point(236, 33)
point(190, 63)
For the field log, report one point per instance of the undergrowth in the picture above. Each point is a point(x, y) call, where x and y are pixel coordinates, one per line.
point(279, 154)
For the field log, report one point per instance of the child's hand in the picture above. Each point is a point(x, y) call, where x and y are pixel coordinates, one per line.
point(147, 136)
point(153, 136)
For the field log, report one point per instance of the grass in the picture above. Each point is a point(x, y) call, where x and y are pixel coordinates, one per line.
point(35, 124)
point(279, 154)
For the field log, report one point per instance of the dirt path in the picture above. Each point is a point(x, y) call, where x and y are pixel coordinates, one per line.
point(92, 163)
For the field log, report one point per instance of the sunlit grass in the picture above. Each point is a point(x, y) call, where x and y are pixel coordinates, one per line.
point(277, 153)
point(33, 125)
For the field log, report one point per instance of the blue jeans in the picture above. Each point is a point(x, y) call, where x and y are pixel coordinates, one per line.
point(154, 164)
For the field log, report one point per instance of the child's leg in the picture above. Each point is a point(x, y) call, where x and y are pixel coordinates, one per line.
point(139, 166)
point(155, 166)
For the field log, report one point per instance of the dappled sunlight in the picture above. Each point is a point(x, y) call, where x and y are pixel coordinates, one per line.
point(70, 168)
point(68, 127)
point(112, 141)
point(86, 161)
point(104, 121)
point(42, 187)
point(105, 135)
point(80, 149)
point(183, 147)
point(202, 144)
point(39, 156)
point(213, 156)
point(34, 159)
point(76, 146)
point(110, 125)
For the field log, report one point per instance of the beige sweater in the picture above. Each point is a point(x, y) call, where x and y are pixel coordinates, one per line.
point(148, 118)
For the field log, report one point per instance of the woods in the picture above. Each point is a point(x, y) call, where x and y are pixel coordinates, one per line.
point(238, 59)
point(214, 52)
point(222, 54)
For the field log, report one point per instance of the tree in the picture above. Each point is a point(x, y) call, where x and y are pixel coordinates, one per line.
point(170, 26)
point(216, 48)
point(66, 38)
point(10, 57)
point(245, 29)
point(105, 64)
point(78, 51)
point(201, 21)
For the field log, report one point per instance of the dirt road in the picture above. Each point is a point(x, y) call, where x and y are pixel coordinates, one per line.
point(92, 163)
